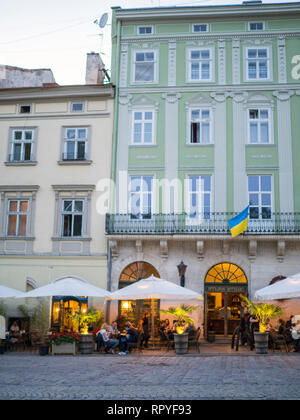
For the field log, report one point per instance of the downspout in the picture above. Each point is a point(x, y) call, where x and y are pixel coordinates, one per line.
point(114, 158)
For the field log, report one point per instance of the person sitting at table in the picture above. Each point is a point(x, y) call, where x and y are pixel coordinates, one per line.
point(113, 330)
point(145, 325)
point(281, 327)
point(110, 343)
point(289, 323)
point(14, 332)
point(295, 330)
point(190, 329)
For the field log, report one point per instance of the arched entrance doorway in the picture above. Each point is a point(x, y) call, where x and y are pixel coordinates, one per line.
point(224, 285)
point(133, 310)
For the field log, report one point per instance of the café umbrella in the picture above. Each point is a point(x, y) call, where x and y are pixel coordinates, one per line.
point(154, 288)
point(7, 292)
point(288, 288)
point(68, 286)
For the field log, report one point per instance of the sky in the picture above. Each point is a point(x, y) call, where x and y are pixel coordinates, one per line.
point(58, 34)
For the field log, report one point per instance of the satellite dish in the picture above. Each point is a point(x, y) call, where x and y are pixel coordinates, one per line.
point(103, 20)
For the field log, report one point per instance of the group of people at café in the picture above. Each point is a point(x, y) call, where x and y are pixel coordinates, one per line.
point(167, 329)
point(113, 338)
point(289, 329)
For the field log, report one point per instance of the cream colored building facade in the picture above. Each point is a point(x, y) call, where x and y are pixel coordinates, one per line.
point(55, 145)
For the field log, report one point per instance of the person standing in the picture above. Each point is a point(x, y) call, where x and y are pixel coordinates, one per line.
point(145, 326)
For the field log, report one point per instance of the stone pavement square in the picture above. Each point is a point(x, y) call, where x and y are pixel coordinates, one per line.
point(149, 377)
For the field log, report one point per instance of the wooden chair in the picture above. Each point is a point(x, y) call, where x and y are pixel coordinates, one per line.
point(35, 341)
point(195, 340)
point(277, 341)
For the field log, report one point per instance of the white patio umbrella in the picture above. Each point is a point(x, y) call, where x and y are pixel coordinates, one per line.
point(288, 288)
point(7, 292)
point(154, 288)
point(68, 286)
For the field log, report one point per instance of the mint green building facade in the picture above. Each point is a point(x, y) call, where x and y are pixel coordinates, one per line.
point(206, 122)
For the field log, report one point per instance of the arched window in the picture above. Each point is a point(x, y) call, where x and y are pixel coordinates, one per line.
point(225, 273)
point(136, 271)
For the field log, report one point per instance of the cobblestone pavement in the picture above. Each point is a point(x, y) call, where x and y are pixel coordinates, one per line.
point(134, 377)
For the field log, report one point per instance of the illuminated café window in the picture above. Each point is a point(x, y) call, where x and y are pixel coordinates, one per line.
point(225, 273)
point(136, 271)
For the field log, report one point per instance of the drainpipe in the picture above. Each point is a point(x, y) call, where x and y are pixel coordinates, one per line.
point(108, 281)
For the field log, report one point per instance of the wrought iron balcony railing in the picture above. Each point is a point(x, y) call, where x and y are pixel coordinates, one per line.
point(209, 224)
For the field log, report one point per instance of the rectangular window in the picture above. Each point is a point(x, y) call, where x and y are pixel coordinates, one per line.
point(200, 65)
point(202, 27)
point(22, 145)
point(199, 199)
point(257, 64)
point(260, 196)
point(75, 144)
point(72, 214)
point(200, 126)
point(144, 66)
point(145, 30)
point(142, 127)
point(140, 201)
point(17, 217)
point(259, 126)
point(256, 26)
point(24, 109)
point(77, 107)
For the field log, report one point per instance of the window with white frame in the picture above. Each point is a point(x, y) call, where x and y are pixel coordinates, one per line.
point(199, 196)
point(18, 213)
point(145, 30)
point(200, 126)
point(72, 217)
point(259, 126)
point(260, 196)
point(200, 65)
point(256, 26)
point(145, 70)
point(75, 143)
point(141, 197)
point(143, 123)
point(21, 145)
point(258, 64)
point(200, 27)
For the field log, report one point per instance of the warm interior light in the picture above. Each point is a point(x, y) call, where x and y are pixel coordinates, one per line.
point(180, 330)
point(57, 310)
point(126, 305)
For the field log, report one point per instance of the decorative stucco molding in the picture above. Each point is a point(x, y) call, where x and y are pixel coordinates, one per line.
point(252, 250)
point(163, 246)
point(283, 95)
point(280, 251)
point(171, 97)
point(200, 250)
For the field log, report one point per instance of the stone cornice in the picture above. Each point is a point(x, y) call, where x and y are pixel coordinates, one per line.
point(72, 187)
point(56, 92)
point(204, 12)
point(217, 89)
point(211, 36)
point(18, 188)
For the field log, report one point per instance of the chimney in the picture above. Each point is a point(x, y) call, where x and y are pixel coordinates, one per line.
point(94, 74)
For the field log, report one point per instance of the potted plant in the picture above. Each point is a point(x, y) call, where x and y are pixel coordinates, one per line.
point(40, 321)
point(84, 320)
point(182, 316)
point(263, 312)
point(64, 342)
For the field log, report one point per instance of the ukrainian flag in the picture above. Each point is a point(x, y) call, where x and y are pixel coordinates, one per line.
point(238, 224)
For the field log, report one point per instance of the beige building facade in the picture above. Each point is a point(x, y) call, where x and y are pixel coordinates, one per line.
point(55, 146)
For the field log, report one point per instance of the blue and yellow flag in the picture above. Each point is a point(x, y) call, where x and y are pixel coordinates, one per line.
point(238, 224)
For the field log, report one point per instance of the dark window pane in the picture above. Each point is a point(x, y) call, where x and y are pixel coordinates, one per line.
point(77, 225)
point(254, 213)
point(17, 151)
point(67, 225)
point(81, 150)
point(27, 151)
